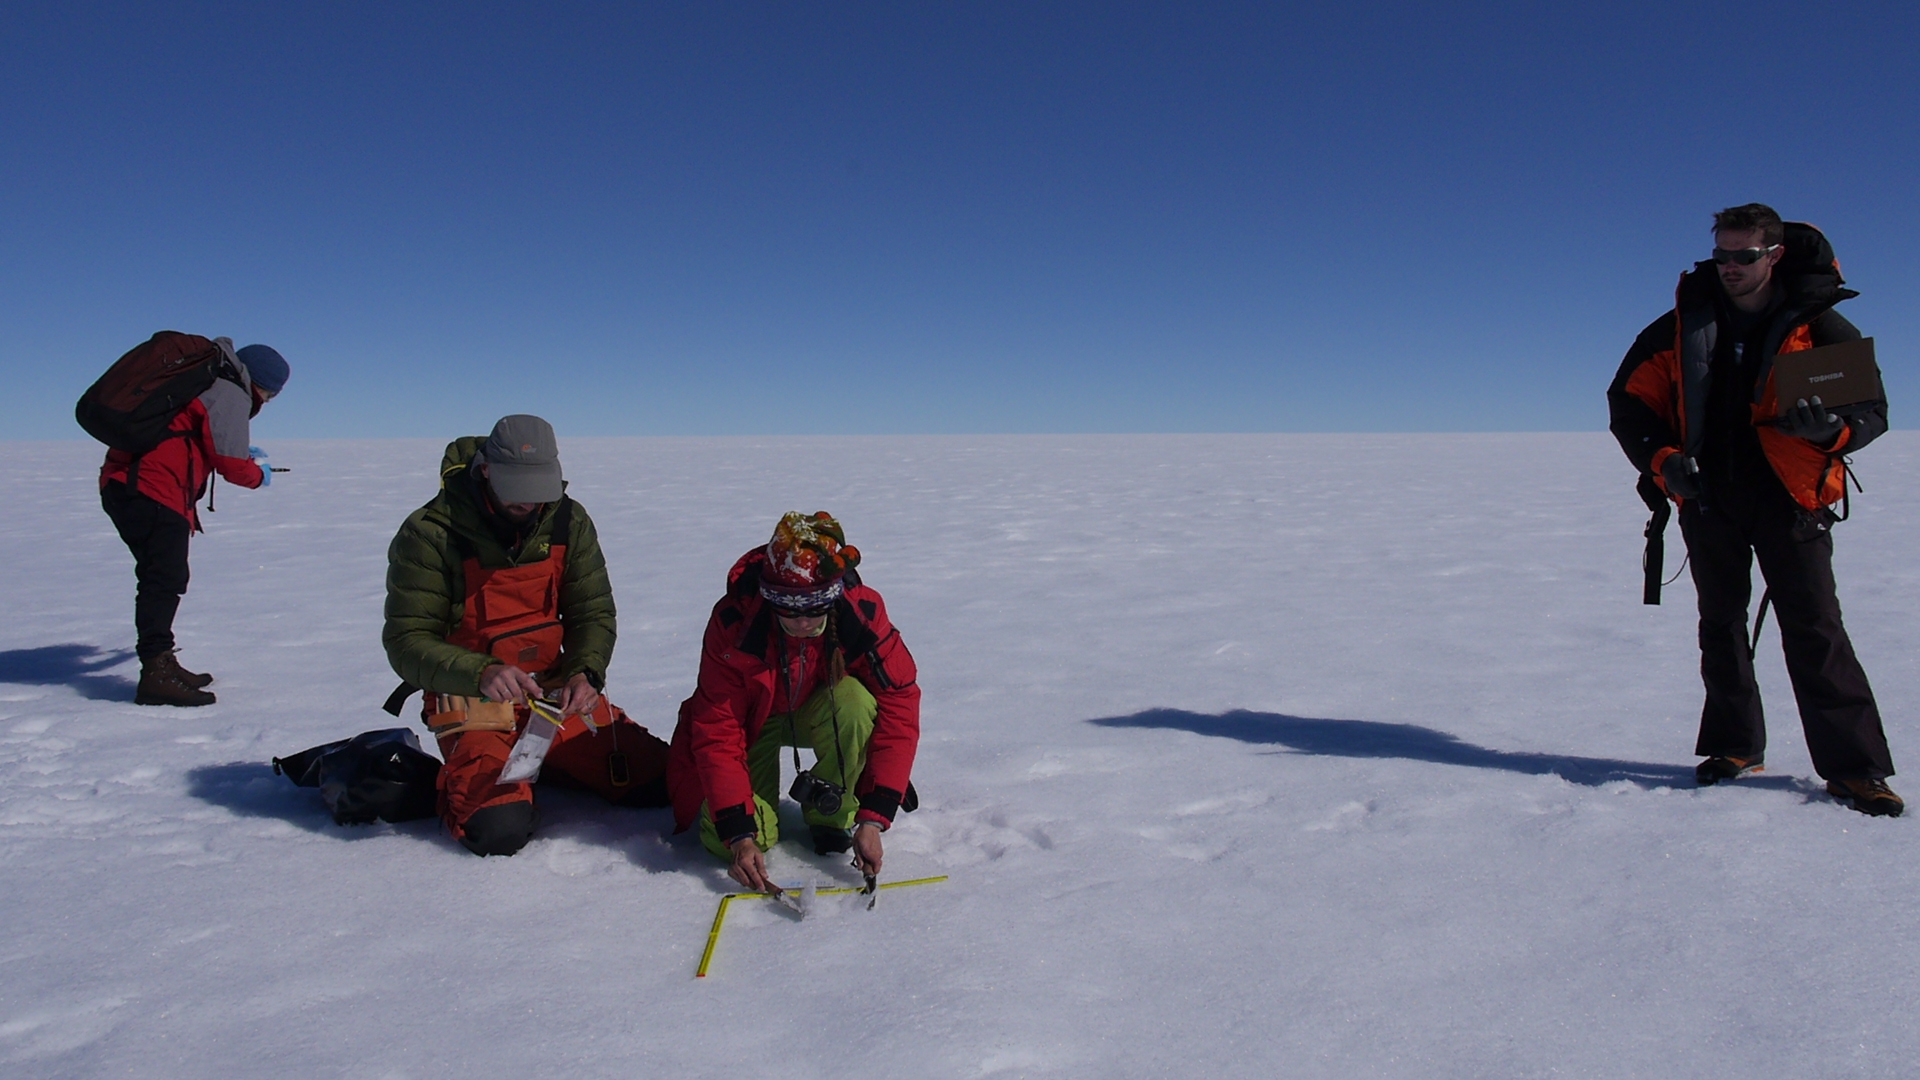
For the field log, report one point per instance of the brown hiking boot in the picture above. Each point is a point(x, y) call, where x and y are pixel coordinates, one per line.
point(1715, 769)
point(163, 682)
point(1867, 796)
point(191, 678)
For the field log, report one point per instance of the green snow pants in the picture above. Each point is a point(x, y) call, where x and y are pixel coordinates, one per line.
point(811, 726)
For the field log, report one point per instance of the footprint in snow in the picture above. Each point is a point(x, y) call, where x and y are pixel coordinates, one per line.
point(1345, 816)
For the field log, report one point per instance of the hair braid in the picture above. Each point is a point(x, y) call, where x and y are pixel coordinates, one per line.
point(836, 659)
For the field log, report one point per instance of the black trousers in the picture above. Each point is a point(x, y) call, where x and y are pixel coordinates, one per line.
point(1837, 710)
point(158, 539)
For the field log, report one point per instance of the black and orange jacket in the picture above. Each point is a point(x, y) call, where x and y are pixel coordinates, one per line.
point(740, 679)
point(1658, 400)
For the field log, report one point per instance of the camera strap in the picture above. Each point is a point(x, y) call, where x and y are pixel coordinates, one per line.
point(786, 676)
point(793, 708)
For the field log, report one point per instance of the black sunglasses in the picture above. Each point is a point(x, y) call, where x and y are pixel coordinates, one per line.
point(1744, 256)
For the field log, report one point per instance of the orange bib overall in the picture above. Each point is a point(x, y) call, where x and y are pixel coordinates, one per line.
point(512, 614)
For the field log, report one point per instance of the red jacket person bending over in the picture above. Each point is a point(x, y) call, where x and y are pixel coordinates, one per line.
point(798, 653)
point(152, 498)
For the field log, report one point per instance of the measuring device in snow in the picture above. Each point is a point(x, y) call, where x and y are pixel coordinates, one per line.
point(780, 897)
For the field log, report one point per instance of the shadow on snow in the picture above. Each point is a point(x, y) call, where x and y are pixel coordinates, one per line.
point(253, 789)
point(73, 665)
point(1375, 739)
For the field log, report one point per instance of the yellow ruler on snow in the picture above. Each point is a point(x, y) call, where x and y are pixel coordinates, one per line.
point(720, 916)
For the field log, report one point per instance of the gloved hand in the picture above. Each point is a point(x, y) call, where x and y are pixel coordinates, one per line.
point(1811, 422)
point(254, 453)
point(1682, 475)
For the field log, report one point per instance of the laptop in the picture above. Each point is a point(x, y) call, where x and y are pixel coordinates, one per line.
point(1844, 376)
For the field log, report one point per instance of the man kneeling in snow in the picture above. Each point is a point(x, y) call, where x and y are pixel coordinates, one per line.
point(798, 653)
point(497, 594)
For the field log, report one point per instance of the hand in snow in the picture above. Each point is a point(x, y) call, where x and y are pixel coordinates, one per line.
point(578, 696)
point(866, 848)
point(256, 453)
point(749, 865)
point(1811, 421)
point(504, 682)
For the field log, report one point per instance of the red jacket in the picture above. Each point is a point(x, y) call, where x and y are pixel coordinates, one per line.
point(739, 688)
point(213, 433)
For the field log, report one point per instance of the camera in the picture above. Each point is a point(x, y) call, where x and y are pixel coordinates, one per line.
point(815, 794)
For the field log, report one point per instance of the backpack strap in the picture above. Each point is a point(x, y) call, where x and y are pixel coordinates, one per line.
point(133, 466)
point(1759, 620)
point(562, 531)
point(398, 699)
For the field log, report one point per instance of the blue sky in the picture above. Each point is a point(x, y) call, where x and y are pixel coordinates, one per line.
point(746, 218)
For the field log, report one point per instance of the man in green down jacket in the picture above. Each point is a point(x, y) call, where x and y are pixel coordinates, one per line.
point(499, 607)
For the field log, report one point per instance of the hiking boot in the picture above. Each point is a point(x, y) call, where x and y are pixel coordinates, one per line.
point(191, 678)
point(1715, 769)
point(162, 682)
point(828, 840)
point(1867, 796)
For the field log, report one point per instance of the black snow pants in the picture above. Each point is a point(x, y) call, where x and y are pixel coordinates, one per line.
point(1837, 710)
point(158, 539)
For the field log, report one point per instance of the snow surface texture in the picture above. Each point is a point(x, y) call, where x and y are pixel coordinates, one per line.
point(1301, 756)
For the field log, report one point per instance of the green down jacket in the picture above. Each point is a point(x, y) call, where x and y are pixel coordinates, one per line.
point(426, 586)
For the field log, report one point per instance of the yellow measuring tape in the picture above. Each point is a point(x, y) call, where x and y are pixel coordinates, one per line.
point(720, 916)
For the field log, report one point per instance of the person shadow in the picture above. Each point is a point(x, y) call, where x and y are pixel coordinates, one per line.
point(253, 789)
point(78, 666)
point(1378, 739)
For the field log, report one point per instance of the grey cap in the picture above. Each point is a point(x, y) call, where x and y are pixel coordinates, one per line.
point(523, 460)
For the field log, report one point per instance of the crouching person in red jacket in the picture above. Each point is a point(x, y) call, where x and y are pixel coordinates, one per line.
point(798, 653)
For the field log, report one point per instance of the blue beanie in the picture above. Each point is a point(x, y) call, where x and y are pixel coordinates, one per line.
point(267, 368)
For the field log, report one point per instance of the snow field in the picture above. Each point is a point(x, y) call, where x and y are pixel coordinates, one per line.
point(1303, 756)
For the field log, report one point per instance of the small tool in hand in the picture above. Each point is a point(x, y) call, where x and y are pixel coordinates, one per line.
point(786, 898)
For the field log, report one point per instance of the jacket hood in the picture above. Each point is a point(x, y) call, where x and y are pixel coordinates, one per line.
point(239, 372)
point(459, 455)
point(1808, 275)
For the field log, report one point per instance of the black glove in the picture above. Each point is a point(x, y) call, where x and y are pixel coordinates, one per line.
point(1811, 422)
point(1682, 475)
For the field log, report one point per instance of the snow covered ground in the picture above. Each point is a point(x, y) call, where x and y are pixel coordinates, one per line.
point(1250, 756)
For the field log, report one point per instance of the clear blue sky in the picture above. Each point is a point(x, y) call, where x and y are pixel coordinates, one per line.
point(716, 218)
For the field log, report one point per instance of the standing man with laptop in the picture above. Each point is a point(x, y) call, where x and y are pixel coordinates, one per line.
point(1695, 408)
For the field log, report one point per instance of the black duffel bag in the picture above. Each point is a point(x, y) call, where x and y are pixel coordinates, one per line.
point(376, 774)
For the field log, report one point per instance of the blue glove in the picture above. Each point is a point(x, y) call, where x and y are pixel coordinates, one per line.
point(254, 453)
